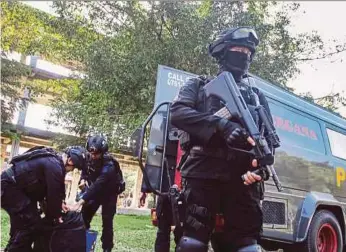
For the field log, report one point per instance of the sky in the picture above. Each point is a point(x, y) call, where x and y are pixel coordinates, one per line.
point(319, 77)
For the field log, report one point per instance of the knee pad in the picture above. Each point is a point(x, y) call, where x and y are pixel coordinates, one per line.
point(250, 248)
point(188, 244)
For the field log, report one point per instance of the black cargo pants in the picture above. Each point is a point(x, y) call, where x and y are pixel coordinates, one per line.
point(109, 209)
point(165, 221)
point(239, 204)
point(24, 217)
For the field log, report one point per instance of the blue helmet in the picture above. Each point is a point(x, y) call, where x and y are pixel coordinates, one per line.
point(97, 144)
point(78, 156)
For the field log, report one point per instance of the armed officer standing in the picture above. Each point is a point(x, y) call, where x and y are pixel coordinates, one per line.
point(105, 180)
point(212, 172)
point(36, 175)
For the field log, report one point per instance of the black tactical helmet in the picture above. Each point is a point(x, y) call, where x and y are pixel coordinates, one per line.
point(241, 36)
point(97, 144)
point(78, 155)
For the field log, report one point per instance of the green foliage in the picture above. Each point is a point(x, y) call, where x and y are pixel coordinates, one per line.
point(132, 233)
point(121, 68)
point(6, 132)
point(33, 32)
point(61, 141)
point(5, 228)
point(130, 179)
point(29, 31)
point(331, 102)
point(12, 75)
point(24, 30)
point(118, 45)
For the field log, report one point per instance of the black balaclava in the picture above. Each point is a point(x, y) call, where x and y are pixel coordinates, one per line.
point(237, 63)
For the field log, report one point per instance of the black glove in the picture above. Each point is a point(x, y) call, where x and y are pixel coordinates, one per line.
point(234, 134)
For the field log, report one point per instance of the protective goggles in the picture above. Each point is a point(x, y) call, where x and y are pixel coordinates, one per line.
point(245, 33)
point(94, 150)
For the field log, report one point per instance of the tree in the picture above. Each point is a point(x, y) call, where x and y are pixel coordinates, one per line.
point(332, 101)
point(12, 74)
point(29, 31)
point(119, 44)
point(118, 92)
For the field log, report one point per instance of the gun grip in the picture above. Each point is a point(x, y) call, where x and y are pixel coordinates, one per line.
point(257, 172)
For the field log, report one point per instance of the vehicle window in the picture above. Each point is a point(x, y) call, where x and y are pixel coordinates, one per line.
point(337, 142)
point(296, 129)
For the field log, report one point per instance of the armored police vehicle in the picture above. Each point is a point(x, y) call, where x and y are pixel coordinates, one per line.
point(310, 212)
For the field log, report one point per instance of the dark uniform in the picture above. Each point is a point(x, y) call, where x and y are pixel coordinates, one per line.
point(212, 173)
point(164, 208)
point(106, 182)
point(25, 184)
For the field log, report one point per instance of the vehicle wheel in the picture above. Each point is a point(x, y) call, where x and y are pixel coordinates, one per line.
point(324, 233)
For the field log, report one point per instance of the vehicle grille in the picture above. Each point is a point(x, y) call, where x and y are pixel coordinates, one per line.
point(274, 212)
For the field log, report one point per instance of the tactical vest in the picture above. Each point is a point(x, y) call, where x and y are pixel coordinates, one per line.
point(35, 152)
point(247, 93)
point(120, 178)
point(25, 174)
point(119, 174)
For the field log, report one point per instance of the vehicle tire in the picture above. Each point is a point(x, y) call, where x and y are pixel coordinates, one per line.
point(324, 234)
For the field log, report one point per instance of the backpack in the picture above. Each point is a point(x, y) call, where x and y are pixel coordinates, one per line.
point(25, 176)
point(120, 177)
point(69, 236)
point(32, 153)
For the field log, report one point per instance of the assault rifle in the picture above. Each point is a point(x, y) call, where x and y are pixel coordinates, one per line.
point(225, 88)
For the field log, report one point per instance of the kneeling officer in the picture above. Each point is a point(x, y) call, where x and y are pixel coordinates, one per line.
point(36, 175)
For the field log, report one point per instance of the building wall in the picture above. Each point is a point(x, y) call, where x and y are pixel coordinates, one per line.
point(34, 115)
point(129, 167)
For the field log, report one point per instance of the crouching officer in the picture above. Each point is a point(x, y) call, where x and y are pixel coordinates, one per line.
point(36, 175)
point(105, 183)
point(212, 172)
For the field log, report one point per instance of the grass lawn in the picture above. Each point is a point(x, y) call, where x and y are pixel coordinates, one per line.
point(132, 233)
